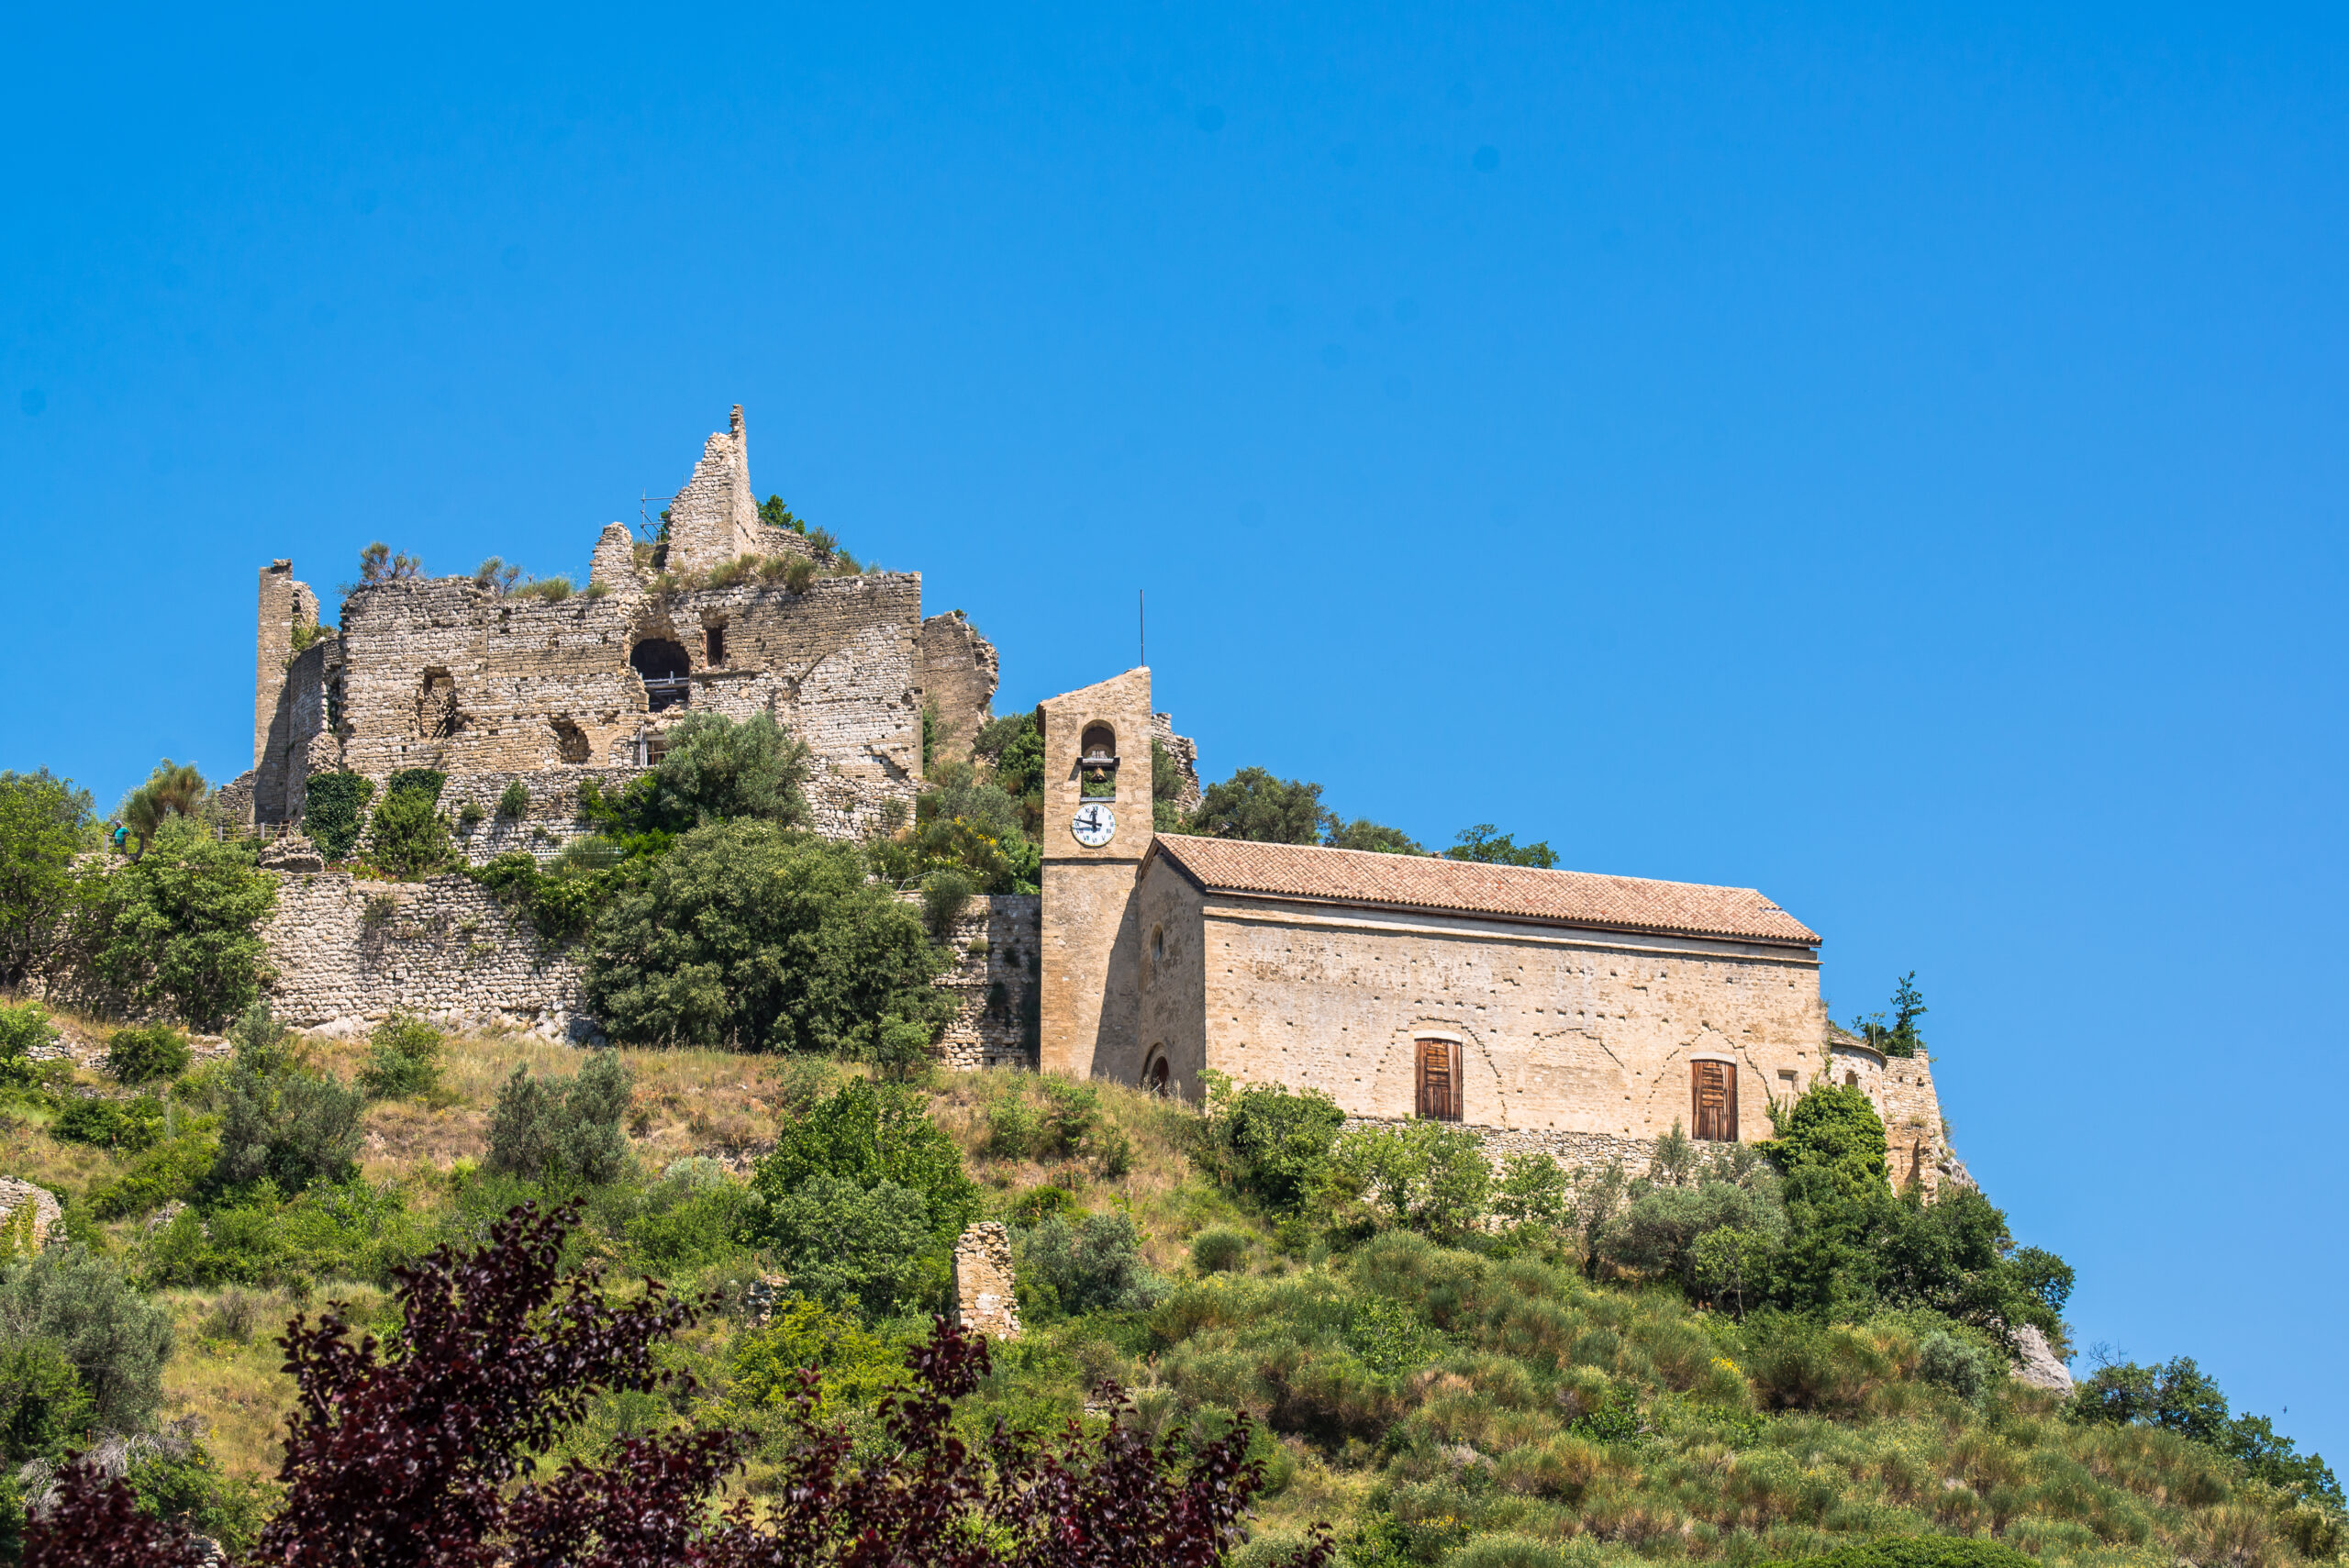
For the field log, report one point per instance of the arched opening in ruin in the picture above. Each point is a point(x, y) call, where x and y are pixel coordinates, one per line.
point(1155, 1076)
point(570, 742)
point(663, 666)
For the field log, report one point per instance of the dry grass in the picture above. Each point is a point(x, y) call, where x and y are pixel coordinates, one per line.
point(685, 1102)
point(1169, 1202)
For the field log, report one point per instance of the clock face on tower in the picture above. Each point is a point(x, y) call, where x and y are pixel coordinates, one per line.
point(1094, 825)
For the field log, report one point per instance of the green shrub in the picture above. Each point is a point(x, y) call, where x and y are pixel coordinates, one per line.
point(1091, 1264)
point(945, 894)
point(514, 803)
point(334, 812)
point(1219, 1249)
point(175, 1168)
point(427, 781)
point(559, 907)
point(408, 836)
point(857, 1368)
point(143, 1054)
point(115, 1338)
point(44, 823)
point(691, 1219)
point(562, 1132)
point(180, 928)
point(1269, 1142)
point(869, 1134)
point(280, 1122)
point(404, 1060)
point(854, 1246)
point(44, 1409)
point(1956, 1365)
point(747, 935)
point(1918, 1551)
point(23, 1028)
point(184, 1484)
point(1425, 1176)
point(129, 1127)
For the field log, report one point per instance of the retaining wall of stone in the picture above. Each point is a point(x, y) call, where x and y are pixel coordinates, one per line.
point(348, 951)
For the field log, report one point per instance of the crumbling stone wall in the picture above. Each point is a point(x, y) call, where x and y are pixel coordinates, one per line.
point(986, 1299)
point(348, 951)
point(443, 674)
point(1185, 752)
point(960, 673)
point(715, 518)
point(998, 946)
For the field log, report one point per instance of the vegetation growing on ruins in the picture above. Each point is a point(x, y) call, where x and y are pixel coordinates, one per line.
point(1622, 1367)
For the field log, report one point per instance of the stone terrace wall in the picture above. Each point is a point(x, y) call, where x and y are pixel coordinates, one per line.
point(348, 951)
point(1573, 1151)
point(998, 987)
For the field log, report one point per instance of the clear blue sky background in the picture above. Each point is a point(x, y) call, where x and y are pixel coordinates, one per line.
point(1888, 456)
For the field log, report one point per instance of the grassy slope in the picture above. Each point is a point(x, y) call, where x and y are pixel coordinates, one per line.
point(1428, 1397)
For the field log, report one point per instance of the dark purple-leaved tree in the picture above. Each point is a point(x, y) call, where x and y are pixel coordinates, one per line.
point(404, 1454)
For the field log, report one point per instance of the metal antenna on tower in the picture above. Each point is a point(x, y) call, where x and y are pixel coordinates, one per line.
point(1141, 627)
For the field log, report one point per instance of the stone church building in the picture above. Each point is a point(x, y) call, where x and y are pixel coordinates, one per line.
point(1559, 1010)
point(1581, 1014)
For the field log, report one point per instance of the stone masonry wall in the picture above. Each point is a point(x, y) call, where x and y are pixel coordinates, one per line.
point(997, 945)
point(1573, 1151)
point(960, 673)
point(348, 951)
point(446, 674)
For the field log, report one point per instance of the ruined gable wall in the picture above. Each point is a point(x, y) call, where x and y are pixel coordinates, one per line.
point(960, 673)
point(1563, 1030)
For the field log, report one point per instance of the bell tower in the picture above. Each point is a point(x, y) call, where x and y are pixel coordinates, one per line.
point(1096, 830)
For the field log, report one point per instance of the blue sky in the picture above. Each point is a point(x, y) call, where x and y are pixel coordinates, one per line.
point(1892, 457)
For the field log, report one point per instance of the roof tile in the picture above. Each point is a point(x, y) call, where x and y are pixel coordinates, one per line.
point(1574, 897)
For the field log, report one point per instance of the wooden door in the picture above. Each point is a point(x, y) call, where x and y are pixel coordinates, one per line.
point(1713, 1101)
point(1440, 1080)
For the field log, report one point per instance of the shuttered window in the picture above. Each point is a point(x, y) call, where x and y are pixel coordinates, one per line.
point(1713, 1097)
point(1440, 1080)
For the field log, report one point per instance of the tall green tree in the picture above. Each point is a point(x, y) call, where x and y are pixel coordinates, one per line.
point(180, 928)
point(1488, 844)
point(1254, 804)
point(44, 823)
point(750, 935)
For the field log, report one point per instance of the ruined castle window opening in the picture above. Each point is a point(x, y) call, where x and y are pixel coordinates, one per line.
point(665, 668)
point(437, 715)
point(570, 742)
point(713, 645)
point(1096, 763)
point(1438, 1079)
point(1850, 1080)
point(1712, 1101)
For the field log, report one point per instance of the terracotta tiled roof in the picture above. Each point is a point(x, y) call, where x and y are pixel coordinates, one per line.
point(1574, 897)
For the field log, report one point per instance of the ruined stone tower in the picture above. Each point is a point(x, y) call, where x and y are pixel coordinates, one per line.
point(1097, 754)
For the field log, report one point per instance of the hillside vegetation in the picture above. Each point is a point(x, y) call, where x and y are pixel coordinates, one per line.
point(1447, 1365)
